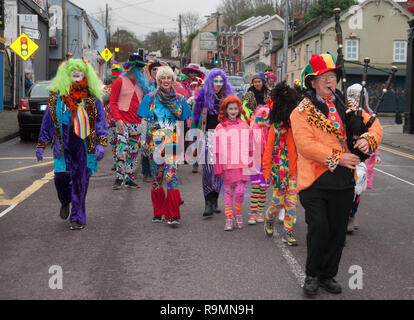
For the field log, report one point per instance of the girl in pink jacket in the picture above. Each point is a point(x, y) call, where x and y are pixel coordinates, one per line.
point(233, 147)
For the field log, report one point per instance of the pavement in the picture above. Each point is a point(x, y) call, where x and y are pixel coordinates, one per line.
point(393, 133)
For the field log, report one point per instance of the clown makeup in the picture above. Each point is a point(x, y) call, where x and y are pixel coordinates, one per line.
point(232, 111)
point(218, 83)
point(166, 82)
point(77, 76)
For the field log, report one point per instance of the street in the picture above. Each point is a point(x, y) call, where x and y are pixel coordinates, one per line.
point(121, 254)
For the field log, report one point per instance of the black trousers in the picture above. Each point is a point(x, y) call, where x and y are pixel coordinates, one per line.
point(327, 213)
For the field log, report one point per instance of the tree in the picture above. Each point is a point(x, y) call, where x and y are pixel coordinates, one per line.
point(324, 8)
point(126, 37)
point(160, 40)
point(191, 22)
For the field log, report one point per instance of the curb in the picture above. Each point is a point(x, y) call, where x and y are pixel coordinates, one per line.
point(9, 137)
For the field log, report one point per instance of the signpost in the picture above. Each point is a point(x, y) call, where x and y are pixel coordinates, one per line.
point(106, 54)
point(24, 46)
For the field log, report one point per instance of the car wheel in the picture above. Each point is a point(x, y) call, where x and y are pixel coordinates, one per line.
point(25, 135)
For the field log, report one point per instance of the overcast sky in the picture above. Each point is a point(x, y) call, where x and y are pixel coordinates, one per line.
point(144, 16)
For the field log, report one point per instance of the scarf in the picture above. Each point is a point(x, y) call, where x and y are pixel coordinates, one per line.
point(169, 100)
point(259, 95)
point(77, 94)
point(280, 167)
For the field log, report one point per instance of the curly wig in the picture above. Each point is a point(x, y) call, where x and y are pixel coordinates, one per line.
point(223, 109)
point(285, 100)
point(62, 82)
point(206, 96)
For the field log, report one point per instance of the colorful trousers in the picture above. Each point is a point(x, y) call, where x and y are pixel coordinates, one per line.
point(284, 199)
point(72, 185)
point(127, 151)
point(112, 137)
point(258, 199)
point(235, 191)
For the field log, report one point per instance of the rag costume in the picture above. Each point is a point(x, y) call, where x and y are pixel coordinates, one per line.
point(74, 122)
point(326, 189)
point(162, 110)
point(206, 117)
point(126, 96)
point(233, 148)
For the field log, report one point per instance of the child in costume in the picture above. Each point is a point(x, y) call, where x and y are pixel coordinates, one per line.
point(280, 162)
point(232, 147)
point(75, 122)
point(260, 129)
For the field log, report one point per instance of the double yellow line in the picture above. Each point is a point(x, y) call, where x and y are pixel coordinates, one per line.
point(399, 153)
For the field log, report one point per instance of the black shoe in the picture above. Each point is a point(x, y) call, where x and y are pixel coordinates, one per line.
point(157, 219)
point(330, 285)
point(209, 209)
point(173, 221)
point(131, 184)
point(64, 212)
point(117, 184)
point(310, 288)
point(214, 205)
point(76, 226)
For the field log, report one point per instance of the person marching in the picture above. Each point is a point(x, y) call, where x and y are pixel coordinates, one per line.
point(206, 111)
point(110, 121)
point(257, 94)
point(193, 72)
point(280, 162)
point(271, 80)
point(326, 177)
point(260, 130)
point(232, 157)
point(126, 95)
point(74, 122)
point(354, 93)
point(162, 110)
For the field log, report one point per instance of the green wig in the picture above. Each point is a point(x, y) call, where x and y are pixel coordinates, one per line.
point(62, 82)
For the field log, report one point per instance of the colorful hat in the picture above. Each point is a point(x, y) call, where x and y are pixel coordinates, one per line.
point(318, 64)
point(260, 76)
point(296, 83)
point(153, 63)
point(195, 68)
point(269, 75)
point(135, 60)
point(116, 70)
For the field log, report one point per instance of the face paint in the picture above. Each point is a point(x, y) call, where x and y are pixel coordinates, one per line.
point(77, 76)
point(218, 81)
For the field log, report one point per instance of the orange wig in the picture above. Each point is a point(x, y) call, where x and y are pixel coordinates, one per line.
point(223, 109)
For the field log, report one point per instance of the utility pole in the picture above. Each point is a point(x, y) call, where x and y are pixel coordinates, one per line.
point(63, 30)
point(286, 41)
point(107, 37)
point(218, 39)
point(181, 41)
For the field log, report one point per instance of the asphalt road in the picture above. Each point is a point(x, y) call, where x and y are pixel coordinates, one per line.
point(122, 255)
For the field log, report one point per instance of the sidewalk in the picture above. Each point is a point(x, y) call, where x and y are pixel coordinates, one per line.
point(393, 133)
point(9, 127)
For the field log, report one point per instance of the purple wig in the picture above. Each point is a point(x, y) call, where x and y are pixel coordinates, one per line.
point(206, 96)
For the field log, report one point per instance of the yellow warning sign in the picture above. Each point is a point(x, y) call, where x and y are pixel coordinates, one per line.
point(24, 46)
point(106, 54)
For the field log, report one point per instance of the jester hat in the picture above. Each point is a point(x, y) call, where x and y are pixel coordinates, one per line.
point(318, 64)
point(116, 71)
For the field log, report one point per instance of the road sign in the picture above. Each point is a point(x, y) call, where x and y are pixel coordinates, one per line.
point(24, 46)
point(106, 54)
point(116, 49)
point(32, 33)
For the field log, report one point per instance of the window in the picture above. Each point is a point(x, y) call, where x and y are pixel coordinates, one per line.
point(317, 47)
point(308, 53)
point(352, 49)
point(293, 54)
point(400, 51)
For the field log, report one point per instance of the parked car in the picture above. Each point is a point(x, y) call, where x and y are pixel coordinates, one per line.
point(238, 85)
point(32, 109)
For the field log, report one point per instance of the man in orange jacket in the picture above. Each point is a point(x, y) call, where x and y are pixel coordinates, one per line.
point(326, 169)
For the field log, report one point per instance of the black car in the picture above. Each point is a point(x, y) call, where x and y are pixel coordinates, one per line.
point(31, 110)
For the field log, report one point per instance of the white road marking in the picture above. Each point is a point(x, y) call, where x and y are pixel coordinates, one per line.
point(395, 177)
point(3, 213)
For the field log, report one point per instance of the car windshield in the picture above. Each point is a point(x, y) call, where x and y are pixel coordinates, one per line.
point(236, 82)
point(39, 91)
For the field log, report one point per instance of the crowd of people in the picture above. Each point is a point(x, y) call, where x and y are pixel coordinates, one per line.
point(292, 138)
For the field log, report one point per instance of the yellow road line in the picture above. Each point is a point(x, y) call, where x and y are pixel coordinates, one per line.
point(402, 154)
point(24, 158)
point(28, 167)
point(26, 193)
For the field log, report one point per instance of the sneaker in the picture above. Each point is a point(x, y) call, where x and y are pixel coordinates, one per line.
point(157, 219)
point(287, 237)
point(64, 212)
point(76, 226)
point(173, 221)
point(229, 225)
point(351, 227)
point(117, 184)
point(310, 288)
point(252, 219)
point(259, 217)
point(268, 228)
point(239, 221)
point(131, 184)
point(282, 215)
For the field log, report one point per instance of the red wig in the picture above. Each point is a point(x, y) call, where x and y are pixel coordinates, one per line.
point(223, 109)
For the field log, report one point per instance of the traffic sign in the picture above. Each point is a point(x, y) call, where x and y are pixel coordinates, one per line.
point(106, 54)
point(24, 46)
